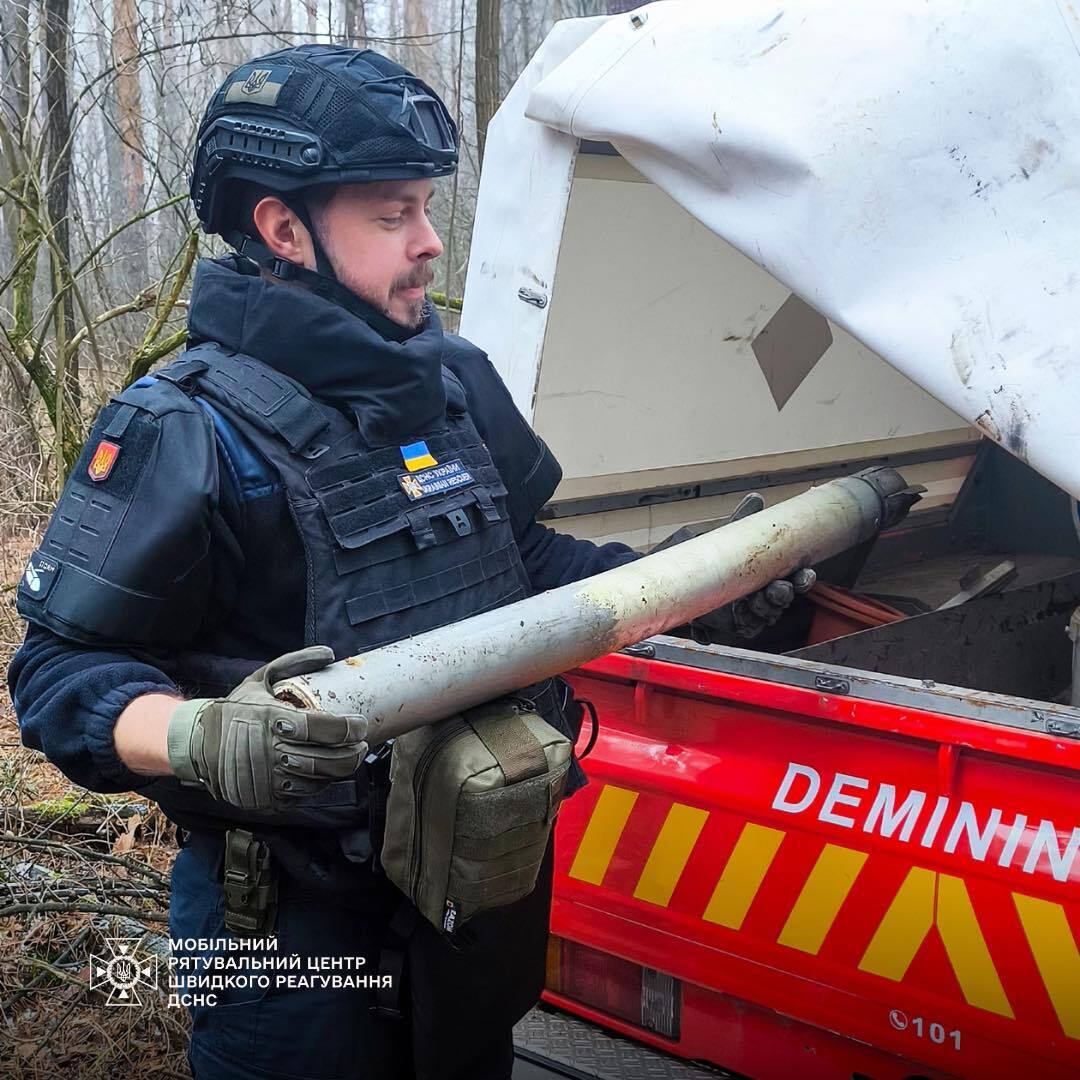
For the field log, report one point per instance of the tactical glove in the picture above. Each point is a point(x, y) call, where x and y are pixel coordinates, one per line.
point(745, 618)
point(254, 751)
point(748, 616)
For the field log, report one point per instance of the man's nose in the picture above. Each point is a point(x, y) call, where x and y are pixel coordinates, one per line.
point(427, 244)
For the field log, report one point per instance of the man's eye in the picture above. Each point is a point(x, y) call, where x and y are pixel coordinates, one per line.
point(396, 220)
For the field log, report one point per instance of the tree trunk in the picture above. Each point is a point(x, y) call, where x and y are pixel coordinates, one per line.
point(173, 122)
point(129, 122)
point(418, 50)
point(25, 237)
point(355, 19)
point(393, 30)
point(58, 184)
point(488, 39)
point(129, 98)
point(14, 102)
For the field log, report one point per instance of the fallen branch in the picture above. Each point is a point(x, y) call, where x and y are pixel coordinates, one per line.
point(96, 909)
point(41, 844)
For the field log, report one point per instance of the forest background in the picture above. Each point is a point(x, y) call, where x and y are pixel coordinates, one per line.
point(99, 104)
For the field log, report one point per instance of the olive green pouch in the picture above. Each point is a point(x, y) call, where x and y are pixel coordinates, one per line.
point(472, 801)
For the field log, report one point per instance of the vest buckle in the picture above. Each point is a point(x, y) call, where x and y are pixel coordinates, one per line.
point(184, 374)
point(283, 269)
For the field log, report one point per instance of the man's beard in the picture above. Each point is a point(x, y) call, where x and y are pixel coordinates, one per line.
point(417, 310)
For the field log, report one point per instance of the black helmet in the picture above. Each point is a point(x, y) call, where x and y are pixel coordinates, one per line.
point(317, 114)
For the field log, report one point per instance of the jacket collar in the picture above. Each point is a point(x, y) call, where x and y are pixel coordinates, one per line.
point(389, 378)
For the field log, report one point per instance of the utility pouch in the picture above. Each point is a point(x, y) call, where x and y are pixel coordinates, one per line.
point(472, 802)
point(250, 884)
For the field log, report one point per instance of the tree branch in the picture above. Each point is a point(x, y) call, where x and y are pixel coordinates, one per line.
point(96, 909)
point(142, 362)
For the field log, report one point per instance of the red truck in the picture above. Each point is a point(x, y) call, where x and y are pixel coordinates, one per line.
point(850, 852)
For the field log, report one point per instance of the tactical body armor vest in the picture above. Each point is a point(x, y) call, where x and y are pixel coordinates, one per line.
point(390, 552)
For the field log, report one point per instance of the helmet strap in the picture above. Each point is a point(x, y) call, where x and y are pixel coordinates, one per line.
point(298, 205)
point(321, 284)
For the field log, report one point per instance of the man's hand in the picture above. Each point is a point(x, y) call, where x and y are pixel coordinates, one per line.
point(747, 617)
point(254, 751)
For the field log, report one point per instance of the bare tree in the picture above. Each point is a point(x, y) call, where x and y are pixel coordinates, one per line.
point(58, 179)
point(355, 17)
point(488, 39)
point(129, 122)
point(41, 342)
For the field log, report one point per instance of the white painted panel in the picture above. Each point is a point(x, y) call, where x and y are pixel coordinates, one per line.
point(521, 204)
point(648, 363)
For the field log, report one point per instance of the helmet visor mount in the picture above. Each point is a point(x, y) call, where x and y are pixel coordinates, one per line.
point(417, 110)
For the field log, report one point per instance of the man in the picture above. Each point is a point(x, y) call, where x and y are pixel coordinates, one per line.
point(264, 493)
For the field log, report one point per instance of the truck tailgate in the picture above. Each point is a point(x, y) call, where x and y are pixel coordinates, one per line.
point(840, 885)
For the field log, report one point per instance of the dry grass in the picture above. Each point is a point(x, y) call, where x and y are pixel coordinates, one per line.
point(76, 869)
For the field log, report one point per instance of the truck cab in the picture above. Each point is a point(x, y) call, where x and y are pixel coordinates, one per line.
point(707, 266)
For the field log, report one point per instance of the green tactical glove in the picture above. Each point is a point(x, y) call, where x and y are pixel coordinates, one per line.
point(254, 751)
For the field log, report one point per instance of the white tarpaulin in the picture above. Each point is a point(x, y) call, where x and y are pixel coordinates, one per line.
point(910, 168)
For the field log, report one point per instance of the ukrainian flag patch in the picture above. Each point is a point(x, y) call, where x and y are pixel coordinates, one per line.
point(417, 456)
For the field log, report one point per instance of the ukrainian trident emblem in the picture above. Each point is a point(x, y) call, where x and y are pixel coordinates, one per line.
point(255, 81)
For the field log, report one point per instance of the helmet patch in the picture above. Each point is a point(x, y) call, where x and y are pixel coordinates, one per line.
point(259, 86)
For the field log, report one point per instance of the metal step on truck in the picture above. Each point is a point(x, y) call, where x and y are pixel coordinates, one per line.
point(726, 248)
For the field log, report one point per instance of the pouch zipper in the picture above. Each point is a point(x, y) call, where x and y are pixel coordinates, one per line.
point(423, 766)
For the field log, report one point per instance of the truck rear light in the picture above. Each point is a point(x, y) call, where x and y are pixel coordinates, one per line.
point(639, 995)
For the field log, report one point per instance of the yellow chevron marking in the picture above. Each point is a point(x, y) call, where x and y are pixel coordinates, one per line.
point(1056, 956)
point(904, 927)
point(908, 921)
point(746, 867)
point(602, 834)
point(966, 946)
point(670, 853)
point(818, 904)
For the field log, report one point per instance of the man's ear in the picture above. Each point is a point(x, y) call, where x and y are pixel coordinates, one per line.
point(283, 232)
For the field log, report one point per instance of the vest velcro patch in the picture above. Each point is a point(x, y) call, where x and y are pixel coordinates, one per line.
point(101, 464)
point(38, 577)
point(437, 481)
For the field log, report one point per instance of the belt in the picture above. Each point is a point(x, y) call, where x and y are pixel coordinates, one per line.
point(306, 869)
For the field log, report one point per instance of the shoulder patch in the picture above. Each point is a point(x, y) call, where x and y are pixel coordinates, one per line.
point(38, 577)
point(102, 461)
